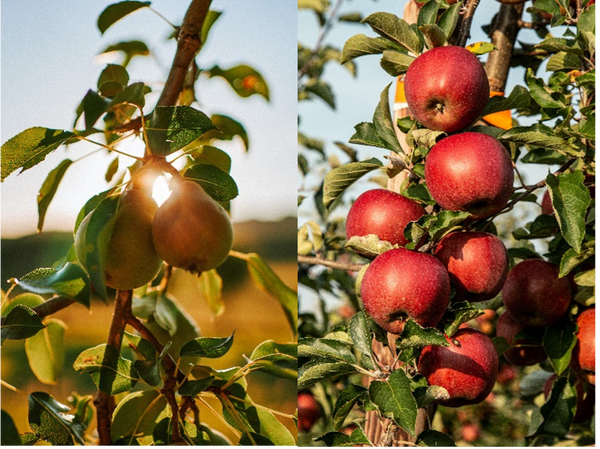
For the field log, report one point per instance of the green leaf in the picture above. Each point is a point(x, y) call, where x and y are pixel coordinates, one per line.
point(426, 395)
point(563, 61)
point(395, 63)
point(129, 48)
point(370, 246)
point(571, 259)
point(133, 94)
point(556, 415)
point(70, 281)
point(361, 45)
point(97, 235)
point(559, 341)
point(542, 94)
point(360, 333)
point(587, 20)
point(208, 347)
point(194, 387)
point(243, 79)
point(48, 190)
point(27, 299)
point(50, 421)
point(210, 155)
point(30, 147)
point(335, 439)
point(457, 314)
point(117, 11)
point(543, 226)
point(321, 90)
point(428, 13)
point(395, 29)
point(342, 177)
point(209, 21)
point(92, 107)
point(535, 137)
point(434, 438)
point(217, 183)
point(10, 434)
point(277, 359)
point(46, 351)
point(570, 200)
point(228, 129)
point(111, 373)
point(416, 336)
point(210, 286)
point(449, 19)
point(20, 323)
point(344, 403)
point(267, 280)
point(557, 44)
point(325, 348)
point(137, 414)
point(433, 34)
point(171, 128)
point(395, 400)
point(319, 369)
point(519, 98)
point(113, 80)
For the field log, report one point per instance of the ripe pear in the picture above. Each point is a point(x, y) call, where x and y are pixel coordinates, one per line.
point(191, 230)
point(130, 259)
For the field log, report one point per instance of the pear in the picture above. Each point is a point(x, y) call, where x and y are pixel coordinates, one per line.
point(191, 230)
point(130, 259)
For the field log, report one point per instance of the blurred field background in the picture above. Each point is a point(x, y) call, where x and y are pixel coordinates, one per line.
point(253, 315)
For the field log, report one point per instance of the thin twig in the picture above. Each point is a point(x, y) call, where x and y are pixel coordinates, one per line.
point(49, 307)
point(330, 263)
point(465, 27)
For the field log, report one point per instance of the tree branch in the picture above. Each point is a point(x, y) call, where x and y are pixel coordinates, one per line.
point(465, 26)
point(504, 36)
point(188, 44)
point(49, 307)
point(330, 263)
point(104, 402)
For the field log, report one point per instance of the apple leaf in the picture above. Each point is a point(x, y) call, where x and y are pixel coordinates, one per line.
point(559, 341)
point(426, 395)
point(554, 418)
point(30, 147)
point(209, 347)
point(563, 61)
point(539, 137)
point(557, 44)
point(519, 98)
point(571, 259)
point(361, 45)
point(542, 94)
point(570, 200)
point(70, 281)
point(210, 286)
point(50, 420)
point(428, 14)
point(434, 36)
point(112, 80)
point(228, 129)
point(194, 387)
point(395, 400)
point(369, 245)
point(395, 29)
point(116, 11)
point(395, 63)
point(434, 438)
point(542, 226)
point(344, 403)
point(449, 19)
point(326, 348)
point(457, 314)
point(133, 94)
point(319, 369)
point(416, 336)
point(339, 439)
point(361, 336)
point(342, 177)
point(48, 190)
point(243, 79)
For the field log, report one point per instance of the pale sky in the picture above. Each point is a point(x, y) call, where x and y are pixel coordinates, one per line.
point(48, 64)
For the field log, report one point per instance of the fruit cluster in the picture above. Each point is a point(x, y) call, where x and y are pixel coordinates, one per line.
point(447, 90)
point(189, 230)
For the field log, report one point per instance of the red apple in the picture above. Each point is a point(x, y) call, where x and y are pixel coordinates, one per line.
point(470, 172)
point(383, 213)
point(485, 322)
point(470, 432)
point(467, 368)
point(308, 411)
point(585, 399)
point(584, 352)
point(446, 88)
point(401, 284)
point(534, 295)
point(506, 373)
point(477, 263)
point(522, 352)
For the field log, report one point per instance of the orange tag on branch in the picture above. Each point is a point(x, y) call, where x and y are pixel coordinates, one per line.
point(502, 119)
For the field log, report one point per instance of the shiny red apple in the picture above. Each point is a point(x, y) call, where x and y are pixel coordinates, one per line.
point(470, 172)
point(477, 263)
point(401, 284)
point(584, 352)
point(467, 368)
